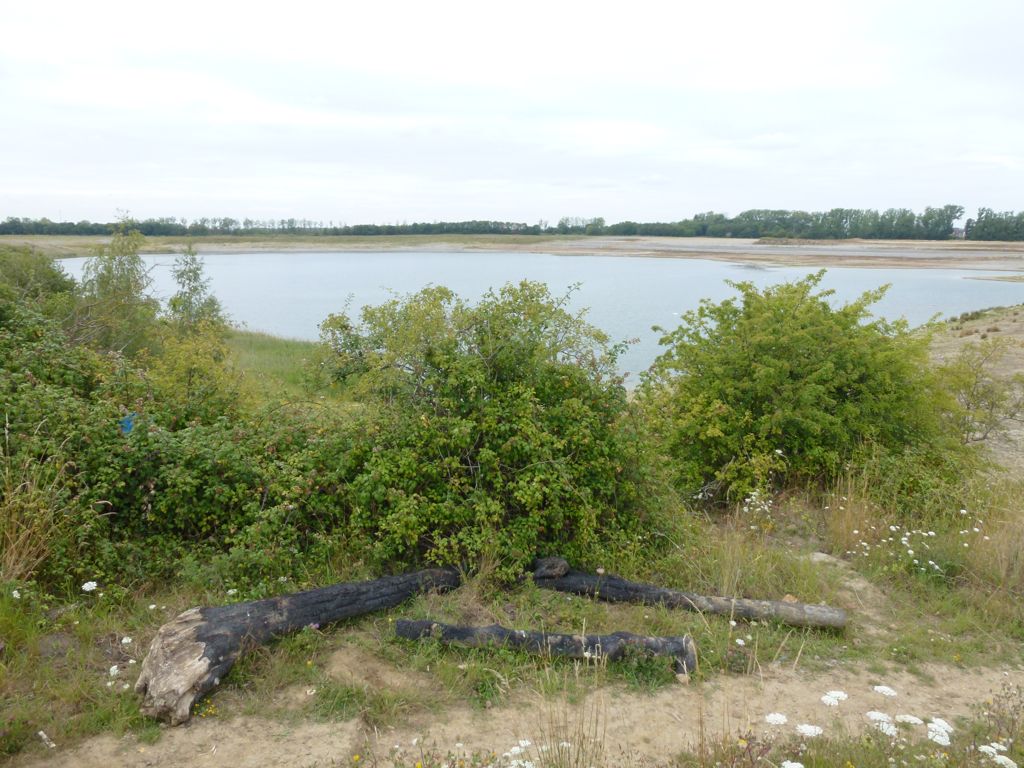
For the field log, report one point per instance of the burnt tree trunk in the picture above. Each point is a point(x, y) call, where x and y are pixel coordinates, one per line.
point(193, 652)
point(612, 647)
point(554, 573)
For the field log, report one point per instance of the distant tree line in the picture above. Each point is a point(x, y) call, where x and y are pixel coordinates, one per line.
point(835, 224)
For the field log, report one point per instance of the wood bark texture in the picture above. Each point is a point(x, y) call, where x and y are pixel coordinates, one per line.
point(193, 652)
point(681, 649)
point(616, 590)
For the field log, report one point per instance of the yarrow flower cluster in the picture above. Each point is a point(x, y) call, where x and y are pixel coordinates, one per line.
point(809, 731)
point(885, 690)
point(776, 718)
point(89, 586)
point(832, 698)
point(939, 731)
point(515, 751)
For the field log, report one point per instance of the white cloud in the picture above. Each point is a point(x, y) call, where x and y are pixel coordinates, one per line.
point(399, 110)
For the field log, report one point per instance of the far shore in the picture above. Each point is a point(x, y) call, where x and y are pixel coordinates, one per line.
point(887, 254)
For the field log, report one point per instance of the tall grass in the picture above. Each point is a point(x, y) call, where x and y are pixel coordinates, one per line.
point(32, 512)
point(273, 366)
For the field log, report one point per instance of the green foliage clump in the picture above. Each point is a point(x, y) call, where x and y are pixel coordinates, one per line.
point(30, 277)
point(500, 429)
point(115, 313)
point(777, 386)
point(984, 400)
point(192, 305)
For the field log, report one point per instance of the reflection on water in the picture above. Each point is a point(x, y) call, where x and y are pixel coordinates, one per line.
point(289, 293)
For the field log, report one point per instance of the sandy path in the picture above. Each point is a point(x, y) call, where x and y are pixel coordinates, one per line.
point(649, 727)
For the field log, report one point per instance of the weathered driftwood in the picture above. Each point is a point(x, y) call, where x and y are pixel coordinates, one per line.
point(192, 653)
point(681, 649)
point(558, 576)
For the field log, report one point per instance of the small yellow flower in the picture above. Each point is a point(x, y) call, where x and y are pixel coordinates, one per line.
point(355, 758)
point(419, 764)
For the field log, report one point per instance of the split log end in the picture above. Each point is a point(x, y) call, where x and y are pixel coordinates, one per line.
point(176, 671)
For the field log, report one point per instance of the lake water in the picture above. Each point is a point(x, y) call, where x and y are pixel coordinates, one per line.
point(288, 294)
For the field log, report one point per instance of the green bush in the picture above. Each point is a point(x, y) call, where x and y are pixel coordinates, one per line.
point(500, 428)
point(779, 386)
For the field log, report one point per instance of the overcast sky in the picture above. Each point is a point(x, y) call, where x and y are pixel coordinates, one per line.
point(382, 112)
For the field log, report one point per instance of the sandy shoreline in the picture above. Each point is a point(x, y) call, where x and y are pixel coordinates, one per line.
point(887, 254)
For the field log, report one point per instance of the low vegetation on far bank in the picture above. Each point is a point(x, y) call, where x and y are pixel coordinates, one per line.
point(154, 458)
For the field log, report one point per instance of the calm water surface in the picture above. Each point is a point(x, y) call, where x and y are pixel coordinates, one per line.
point(288, 294)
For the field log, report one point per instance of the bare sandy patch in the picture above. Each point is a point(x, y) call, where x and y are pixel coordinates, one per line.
point(650, 728)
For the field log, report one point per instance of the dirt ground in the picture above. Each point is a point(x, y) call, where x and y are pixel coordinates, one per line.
point(645, 728)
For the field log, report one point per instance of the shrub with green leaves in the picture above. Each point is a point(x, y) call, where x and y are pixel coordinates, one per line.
point(778, 385)
point(500, 428)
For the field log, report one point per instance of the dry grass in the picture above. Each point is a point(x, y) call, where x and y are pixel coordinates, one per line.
point(32, 514)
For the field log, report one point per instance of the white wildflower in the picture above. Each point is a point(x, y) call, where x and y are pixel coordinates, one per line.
point(791, 764)
point(740, 642)
point(524, 743)
point(940, 725)
point(939, 737)
point(732, 623)
point(887, 728)
point(885, 690)
point(17, 596)
point(988, 749)
point(809, 731)
point(232, 591)
point(114, 670)
point(152, 606)
point(997, 746)
point(775, 718)
point(829, 701)
point(878, 717)
point(126, 640)
point(89, 586)
point(1004, 761)
point(909, 719)
point(515, 751)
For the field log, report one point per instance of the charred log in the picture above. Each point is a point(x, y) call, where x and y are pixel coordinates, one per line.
point(681, 649)
point(616, 590)
point(193, 652)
